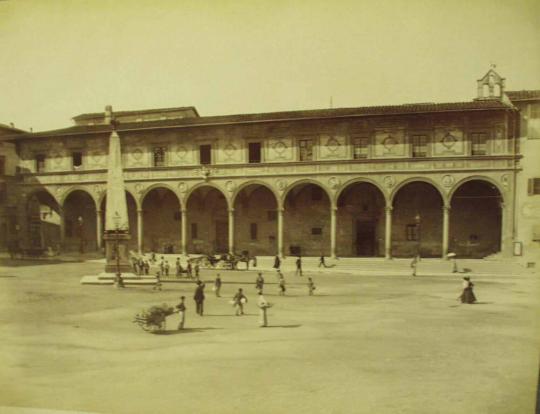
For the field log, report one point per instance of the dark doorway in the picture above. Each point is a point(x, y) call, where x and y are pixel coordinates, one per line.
point(365, 238)
point(222, 230)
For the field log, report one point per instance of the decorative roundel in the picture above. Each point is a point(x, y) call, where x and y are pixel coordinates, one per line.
point(182, 187)
point(389, 181)
point(448, 181)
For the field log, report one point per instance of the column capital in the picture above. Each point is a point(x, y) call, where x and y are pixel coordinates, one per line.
point(230, 210)
point(333, 209)
point(447, 207)
point(183, 210)
point(99, 211)
point(388, 209)
point(140, 211)
point(280, 209)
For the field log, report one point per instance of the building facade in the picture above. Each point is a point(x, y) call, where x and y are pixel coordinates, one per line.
point(388, 181)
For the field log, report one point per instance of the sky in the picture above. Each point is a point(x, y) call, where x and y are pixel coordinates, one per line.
point(63, 58)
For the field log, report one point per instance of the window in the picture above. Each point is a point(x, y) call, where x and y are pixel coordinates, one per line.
point(305, 147)
point(272, 215)
point(316, 193)
point(412, 232)
point(360, 148)
point(76, 160)
point(316, 231)
point(479, 143)
point(254, 152)
point(253, 231)
point(205, 154)
point(40, 162)
point(419, 146)
point(2, 192)
point(534, 186)
point(194, 231)
point(535, 111)
point(159, 156)
point(2, 165)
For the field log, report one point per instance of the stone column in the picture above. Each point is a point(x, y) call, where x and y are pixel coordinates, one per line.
point(140, 231)
point(184, 231)
point(388, 233)
point(333, 213)
point(446, 230)
point(280, 232)
point(62, 216)
point(231, 231)
point(99, 229)
point(504, 223)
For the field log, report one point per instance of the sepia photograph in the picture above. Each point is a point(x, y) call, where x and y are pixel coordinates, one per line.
point(269, 207)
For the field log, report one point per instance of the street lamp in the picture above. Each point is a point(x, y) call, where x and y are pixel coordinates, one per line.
point(80, 222)
point(118, 278)
point(418, 219)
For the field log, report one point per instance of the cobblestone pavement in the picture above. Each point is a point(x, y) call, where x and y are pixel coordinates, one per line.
point(368, 343)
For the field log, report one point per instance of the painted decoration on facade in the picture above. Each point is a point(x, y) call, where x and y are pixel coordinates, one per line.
point(448, 141)
point(389, 143)
point(333, 147)
point(280, 149)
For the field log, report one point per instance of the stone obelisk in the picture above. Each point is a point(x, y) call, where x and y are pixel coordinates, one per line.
point(116, 213)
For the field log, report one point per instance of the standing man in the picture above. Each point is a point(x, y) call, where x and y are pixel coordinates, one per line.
point(259, 282)
point(178, 267)
point(281, 284)
point(189, 269)
point(197, 270)
point(167, 267)
point(157, 285)
point(311, 286)
point(217, 285)
point(239, 301)
point(298, 266)
point(162, 265)
point(146, 267)
point(181, 312)
point(277, 263)
point(263, 305)
point(199, 298)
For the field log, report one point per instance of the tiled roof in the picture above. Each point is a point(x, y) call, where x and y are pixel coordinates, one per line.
point(523, 95)
point(137, 112)
point(284, 116)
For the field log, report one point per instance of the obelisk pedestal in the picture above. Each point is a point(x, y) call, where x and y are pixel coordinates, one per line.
point(117, 253)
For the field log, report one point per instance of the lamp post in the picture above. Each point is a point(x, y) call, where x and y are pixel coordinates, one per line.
point(119, 283)
point(418, 220)
point(80, 222)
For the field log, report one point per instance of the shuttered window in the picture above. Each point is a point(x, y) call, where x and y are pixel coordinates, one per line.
point(534, 186)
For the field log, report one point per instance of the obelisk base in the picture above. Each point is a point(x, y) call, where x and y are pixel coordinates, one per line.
point(117, 241)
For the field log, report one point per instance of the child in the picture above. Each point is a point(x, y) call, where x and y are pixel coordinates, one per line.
point(311, 286)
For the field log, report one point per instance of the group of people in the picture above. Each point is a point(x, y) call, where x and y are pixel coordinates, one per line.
point(238, 300)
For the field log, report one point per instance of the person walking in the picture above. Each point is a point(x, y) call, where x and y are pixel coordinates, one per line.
point(259, 282)
point(467, 296)
point(263, 306)
point(178, 267)
point(281, 285)
point(298, 266)
point(311, 286)
point(414, 265)
point(196, 268)
point(162, 265)
point(217, 285)
point(239, 301)
point(277, 263)
point(157, 285)
point(167, 268)
point(181, 312)
point(199, 298)
point(189, 269)
point(322, 261)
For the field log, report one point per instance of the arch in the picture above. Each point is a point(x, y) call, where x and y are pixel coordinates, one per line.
point(476, 178)
point(71, 190)
point(135, 199)
point(255, 224)
point(360, 218)
point(476, 218)
point(80, 220)
point(205, 184)
point(359, 180)
point(305, 181)
point(153, 187)
point(426, 180)
point(254, 182)
point(36, 191)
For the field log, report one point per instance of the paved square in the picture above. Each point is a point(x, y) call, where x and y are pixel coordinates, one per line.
point(363, 344)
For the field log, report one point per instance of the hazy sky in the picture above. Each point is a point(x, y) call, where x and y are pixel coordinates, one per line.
point(63, 58)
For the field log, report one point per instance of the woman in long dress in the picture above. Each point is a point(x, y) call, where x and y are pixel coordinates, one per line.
point(467, 296)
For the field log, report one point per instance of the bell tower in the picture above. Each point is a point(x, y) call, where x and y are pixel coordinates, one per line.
point(491, 86)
